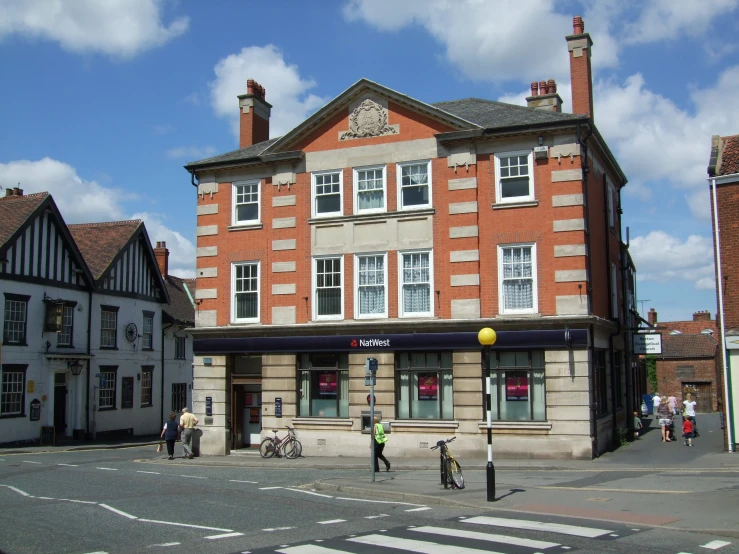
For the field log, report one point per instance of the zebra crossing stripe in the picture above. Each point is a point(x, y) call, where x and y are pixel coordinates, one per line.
point(589, 532)
point(421, 547)
point(515, 541)
point(715, 545)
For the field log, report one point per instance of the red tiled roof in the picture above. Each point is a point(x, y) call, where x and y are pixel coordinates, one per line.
point(688, 346)
point(99, 243)
point(15, 210)
point(729, 156)
point(688, 327)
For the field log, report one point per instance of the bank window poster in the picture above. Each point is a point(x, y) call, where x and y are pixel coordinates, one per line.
point(428, 386)
point(516, 386)
point(327, 383)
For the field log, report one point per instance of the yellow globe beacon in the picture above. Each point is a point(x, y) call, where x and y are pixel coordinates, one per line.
point(487, 336)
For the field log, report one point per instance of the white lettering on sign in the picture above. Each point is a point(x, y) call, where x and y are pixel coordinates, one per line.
point(374, 342)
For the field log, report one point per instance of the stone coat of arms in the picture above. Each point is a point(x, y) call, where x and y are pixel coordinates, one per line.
point(369, 119)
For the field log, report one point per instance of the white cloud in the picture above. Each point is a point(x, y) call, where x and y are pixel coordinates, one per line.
point(285, 88)
point(82, 201)
point(662, 258)
point(119, 28)
point(706, 283)
point(191, 152)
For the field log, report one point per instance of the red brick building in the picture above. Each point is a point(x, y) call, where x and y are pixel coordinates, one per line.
point(386, 227)
point(723, 176)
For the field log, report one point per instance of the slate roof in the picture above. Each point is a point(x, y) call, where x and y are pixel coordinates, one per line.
point(495, 115)
point(729, 156)
point(15, 211)
point(180, 308)
point(101, 242)
point(688, 346)
point(236, 155)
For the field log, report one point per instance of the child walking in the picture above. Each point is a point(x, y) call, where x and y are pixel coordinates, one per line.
point(637, 425)
point(688, 431)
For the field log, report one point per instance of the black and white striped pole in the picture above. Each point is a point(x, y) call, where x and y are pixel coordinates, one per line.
point(487, 338)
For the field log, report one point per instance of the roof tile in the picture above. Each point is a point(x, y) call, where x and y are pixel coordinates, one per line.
point(688, 346)
point(15, 211)
point(99, 243)
point(730, 156)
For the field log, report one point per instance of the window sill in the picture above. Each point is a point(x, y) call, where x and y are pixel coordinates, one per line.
point(322, 421)
point(108, 348)
point(518, 425)
point(15, 343)
point(10, 416)
point(248, 227)
point(522, 204)
point(426, 423)
point(359, 218)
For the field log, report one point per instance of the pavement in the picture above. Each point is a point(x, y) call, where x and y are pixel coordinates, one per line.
point(645, 483)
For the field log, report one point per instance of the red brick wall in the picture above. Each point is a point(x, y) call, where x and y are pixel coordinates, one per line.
point(252, 128)
point(728, 220)
point(670, 385)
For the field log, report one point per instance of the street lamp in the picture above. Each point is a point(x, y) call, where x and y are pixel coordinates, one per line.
point(75, 367)
point(487, 338)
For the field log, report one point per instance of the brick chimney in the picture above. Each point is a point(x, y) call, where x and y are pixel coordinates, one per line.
point(579, 45)
point(254, 112)
point(652, 317)
point(15, 191)
point(544, 96)
point(704, 315)
point(162, 254)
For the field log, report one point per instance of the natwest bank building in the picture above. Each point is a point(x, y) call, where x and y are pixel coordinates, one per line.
point(387, 227)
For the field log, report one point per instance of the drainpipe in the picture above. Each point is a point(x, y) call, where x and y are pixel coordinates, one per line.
point(614, 423)
point(89, 362)
point(720, 278)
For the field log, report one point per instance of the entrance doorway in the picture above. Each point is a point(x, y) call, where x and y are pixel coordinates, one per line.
point(60, 404)
point(247, 415)
point(701, 394)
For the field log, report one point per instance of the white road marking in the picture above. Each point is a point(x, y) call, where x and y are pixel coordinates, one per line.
point(193, 477)
point(268, 488)
point(68, 465)
point(590, 532)
point(151, 472)
point(378, 501)
point(375, 517)
point(120, 513)
point(421, 547)
point(309, 549)
point(715, 545)
point(16, 490)
point(107, 468)
point(186, 525)
point(310, 492)
point(424, 508)
point(165, 544)
point(45, 498)
point(224, 536)
point(98, 552)
point(515, 541)
point(330, 521)
point(277, 529)
point(83, 501)
point(613, 535)
point(237, 481)
point(26, 462)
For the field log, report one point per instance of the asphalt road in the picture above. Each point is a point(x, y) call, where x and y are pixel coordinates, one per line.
point(114, 501)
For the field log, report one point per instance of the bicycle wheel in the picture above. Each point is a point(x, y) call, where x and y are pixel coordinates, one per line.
point(455, 472)
point(267, 448)
point(293, 449)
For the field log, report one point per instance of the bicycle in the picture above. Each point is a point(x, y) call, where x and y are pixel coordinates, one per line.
point(275, 446)
point(451, 471)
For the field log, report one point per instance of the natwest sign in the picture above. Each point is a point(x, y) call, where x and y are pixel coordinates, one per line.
point(370, 343)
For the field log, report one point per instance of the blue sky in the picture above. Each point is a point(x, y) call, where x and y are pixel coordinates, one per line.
point(102, 103)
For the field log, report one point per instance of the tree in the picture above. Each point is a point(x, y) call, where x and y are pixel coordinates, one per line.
point(651, 364)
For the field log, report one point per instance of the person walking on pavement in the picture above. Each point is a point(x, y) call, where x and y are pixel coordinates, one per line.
point(688, 431)
point(656, 400)
point(170, 432)
point(689, 412)
point(665, 419)
point(672, 403)
point(378, 432)
point(187, 424)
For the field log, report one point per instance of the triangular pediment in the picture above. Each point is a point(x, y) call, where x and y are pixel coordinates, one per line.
point(367, 110)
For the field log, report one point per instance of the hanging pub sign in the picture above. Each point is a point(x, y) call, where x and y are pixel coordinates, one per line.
point(35, 409)
point(428, 386)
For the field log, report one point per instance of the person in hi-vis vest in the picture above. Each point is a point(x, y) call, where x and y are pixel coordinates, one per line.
point(378, 432)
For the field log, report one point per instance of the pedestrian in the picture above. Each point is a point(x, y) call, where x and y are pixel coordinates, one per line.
point(170, 432)
point(665, 419)
point(689, 412)
point(378, 433)
point(637, 425)
point(187, 424)
point(656, 400)
point(688, 431)
point(672, 403)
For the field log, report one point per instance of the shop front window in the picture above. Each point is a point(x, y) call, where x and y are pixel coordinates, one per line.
point(323, 381)
point(424, 385)
point(517, 388)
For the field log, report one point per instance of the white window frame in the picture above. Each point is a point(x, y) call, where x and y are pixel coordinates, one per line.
point(401, 312)
point(534, 275)
point(314, 290)
point(114, 329)
point(109, 392)
point(234, 194)
point(64, 337)
point(614, 291)
point(234, 319)
point(399, 179)
point(498, 195)
point(147, 331)
point(313, 195)
point(357, 209)
point(357, 314)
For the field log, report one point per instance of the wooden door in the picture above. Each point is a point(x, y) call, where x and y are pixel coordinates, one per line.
point(701, 394)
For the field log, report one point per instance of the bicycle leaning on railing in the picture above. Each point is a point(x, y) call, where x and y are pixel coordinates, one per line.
point(289, 445)
point(451, 472)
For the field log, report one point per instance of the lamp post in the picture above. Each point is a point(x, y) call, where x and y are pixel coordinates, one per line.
point(487, 338)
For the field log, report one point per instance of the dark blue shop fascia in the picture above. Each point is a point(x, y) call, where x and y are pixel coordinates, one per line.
point(506, 340)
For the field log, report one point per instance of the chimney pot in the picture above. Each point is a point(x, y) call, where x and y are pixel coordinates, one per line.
point(534, 88)
point(578, 25)
point(652, 316)
point(542, 87)
point(8, 192)
point(551, 86)
point(17, 191)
